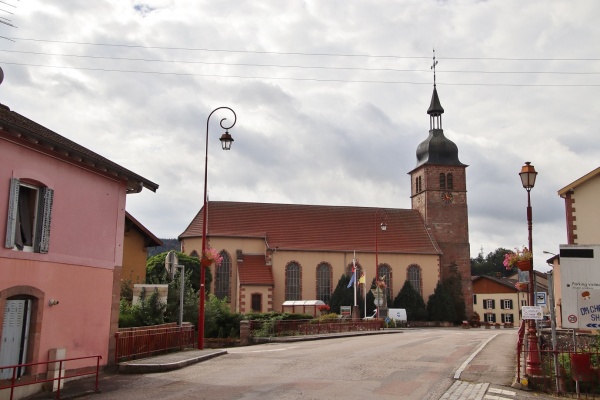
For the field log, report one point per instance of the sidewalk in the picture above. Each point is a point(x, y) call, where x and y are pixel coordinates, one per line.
point(486, 375)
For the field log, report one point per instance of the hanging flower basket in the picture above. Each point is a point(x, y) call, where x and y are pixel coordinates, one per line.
point(521, 286)
point(210, 256)
point(524, 265)
point(519, 258)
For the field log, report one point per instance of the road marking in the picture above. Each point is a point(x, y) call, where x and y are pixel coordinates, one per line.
point(259, 351)
point(464, 365)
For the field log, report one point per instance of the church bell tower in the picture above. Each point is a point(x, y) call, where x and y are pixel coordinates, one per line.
point(439, 193)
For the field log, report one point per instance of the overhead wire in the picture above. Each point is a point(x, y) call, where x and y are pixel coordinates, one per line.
point(316, 67)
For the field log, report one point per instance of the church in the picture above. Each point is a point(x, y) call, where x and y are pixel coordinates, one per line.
point(274, 253)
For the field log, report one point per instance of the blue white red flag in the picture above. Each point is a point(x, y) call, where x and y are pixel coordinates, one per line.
point(352, 279)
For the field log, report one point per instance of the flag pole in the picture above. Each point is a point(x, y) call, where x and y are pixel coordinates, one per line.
point(354, 270)
point(365, 291)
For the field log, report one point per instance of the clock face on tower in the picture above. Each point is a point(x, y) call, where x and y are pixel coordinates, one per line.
point(447, 197)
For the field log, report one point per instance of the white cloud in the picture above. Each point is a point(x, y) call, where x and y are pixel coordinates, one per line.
point(319, 121)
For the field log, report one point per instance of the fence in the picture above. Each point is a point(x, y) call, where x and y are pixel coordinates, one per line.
point(82, 371)
point(573, 367)
point(134, 343)
point(310, 327)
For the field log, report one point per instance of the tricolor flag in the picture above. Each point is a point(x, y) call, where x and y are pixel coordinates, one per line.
point(353, 278)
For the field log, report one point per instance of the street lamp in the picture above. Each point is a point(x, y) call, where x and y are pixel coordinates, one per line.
point(528, 175)
point(226, 141)
point(378, 226)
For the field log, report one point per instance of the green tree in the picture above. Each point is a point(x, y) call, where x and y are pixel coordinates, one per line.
point(491, 265)
point(219, 321)
point(156, 272)
point(409, 299)
point(440, 305)
point(190, 299)
point(344, 296)
point(453, 285)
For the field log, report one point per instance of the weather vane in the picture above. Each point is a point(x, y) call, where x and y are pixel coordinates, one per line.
point(433, 67)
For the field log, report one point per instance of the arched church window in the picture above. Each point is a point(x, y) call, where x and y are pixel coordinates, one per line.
point(324, 282)
point(442, 181)
point(449, 181)
point(292, 281)
point(222, 277)
point(414, 277)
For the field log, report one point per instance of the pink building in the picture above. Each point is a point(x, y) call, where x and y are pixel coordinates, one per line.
point(62, 209)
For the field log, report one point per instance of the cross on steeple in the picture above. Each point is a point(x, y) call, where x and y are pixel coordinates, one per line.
point(433, 67)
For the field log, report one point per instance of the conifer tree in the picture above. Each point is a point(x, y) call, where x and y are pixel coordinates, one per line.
point(409, 299)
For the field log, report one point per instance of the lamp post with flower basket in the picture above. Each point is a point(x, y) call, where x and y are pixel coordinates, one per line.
point(528, 175)
point(209, 255)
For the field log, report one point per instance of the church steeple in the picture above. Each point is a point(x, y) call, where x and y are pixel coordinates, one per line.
point(439, 194)
point(437, 149)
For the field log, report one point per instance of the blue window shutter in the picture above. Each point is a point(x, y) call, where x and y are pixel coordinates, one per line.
point(44, 218)
point(11, 221)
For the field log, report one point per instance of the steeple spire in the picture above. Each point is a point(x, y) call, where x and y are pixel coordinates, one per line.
point(433, 67)
point(437, 148)
point(435, 110)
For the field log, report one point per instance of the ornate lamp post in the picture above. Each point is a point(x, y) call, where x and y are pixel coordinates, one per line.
point(528, 175)
point(226, 141)
point(383, 227)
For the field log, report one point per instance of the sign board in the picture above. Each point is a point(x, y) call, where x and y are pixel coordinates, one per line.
point(397, 314)
point(171, 262)
point(345, 311)
point(580, 286)
point(540, 298)
point(523, 276)
point(532, 312)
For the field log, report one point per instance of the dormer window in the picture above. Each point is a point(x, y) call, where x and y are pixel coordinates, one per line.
point(28, 222)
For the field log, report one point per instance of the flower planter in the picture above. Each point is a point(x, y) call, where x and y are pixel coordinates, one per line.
point(206, 262)
point(524, 265)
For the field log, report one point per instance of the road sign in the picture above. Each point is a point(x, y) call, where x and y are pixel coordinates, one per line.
point(540, 298)
point(532, 312)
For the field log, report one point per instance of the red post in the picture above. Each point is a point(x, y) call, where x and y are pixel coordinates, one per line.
point(533, 356)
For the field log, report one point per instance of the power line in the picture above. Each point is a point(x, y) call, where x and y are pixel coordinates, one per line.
point(219, 50)
point(299, 79)
point(302, 53)
point(295, 66)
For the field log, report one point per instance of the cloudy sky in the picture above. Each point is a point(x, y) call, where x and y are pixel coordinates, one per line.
point(330, 96)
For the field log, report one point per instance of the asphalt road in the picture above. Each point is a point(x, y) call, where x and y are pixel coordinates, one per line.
point(414, 364)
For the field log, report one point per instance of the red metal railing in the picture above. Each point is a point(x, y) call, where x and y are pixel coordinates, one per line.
point(143, 342)
point(573, 367)
point(14, 382)
point(310, 327)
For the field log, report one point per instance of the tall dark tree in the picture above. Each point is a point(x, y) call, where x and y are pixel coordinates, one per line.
point(440, 305)
point(344, 296)
point(453, 284)
point(409, 299)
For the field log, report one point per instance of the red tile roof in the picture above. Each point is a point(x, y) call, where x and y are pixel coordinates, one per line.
point(253, 271)
point(317, 228)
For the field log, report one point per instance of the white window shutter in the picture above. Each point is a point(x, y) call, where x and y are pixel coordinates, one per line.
point(11, 221)
point(44, 219)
